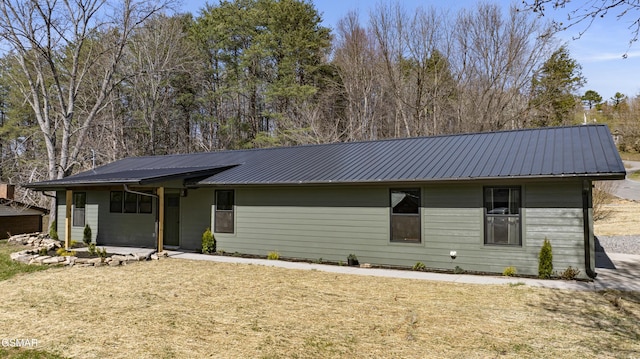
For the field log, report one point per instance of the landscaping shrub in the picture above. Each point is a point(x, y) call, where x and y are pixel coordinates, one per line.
point(92, 249)
point(419, 266)
point(273, 255)
point(545, 262)
point(570, 273)
point(53, 232)
point(509, 271)
point(352, 260)
point(64, 253)
point(86, 236)
point(208, 242)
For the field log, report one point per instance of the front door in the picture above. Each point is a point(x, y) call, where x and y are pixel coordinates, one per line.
point(172, 219)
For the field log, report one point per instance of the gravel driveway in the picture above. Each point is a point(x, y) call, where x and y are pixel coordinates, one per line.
point(619, 244)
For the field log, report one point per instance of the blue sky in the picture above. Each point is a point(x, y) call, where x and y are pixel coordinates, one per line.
point(599, 50)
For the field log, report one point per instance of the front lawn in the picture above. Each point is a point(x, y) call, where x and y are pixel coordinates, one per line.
point(194, 309)
point(21, 353)
point(9, 268)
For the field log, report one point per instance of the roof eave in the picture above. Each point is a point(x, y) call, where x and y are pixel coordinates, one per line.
point(587, 176)
point(43, 186)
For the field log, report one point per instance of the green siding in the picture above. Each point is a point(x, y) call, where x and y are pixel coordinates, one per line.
point(195, 217)
point(126, 229)
point(331, 222)
point(311, 223)
point(91, 217)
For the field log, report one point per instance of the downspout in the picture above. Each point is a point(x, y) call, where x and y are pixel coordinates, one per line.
point(126, 189)
point(586, 190)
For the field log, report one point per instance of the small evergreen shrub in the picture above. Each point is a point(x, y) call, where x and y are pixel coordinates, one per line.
point(102, 253)
point(273, 256)
point(352, 260)
point(86, 235)
point(208, 242)
point(570, 273)
point(458, 270)
point(92, 249)
point(53, 233)
point(509, 271)
point(419, 266)
point(545, 261)
point(73, 244)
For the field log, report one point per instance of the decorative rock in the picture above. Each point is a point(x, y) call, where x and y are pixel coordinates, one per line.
point(41, 242)
point(53, 260)
point(21, 257)
point(119, 258)
point(94, 260)
point(15, 255)
point(41, 258)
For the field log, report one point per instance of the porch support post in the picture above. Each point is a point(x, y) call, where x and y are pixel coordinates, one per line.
point(160, 218)
point(67, 219)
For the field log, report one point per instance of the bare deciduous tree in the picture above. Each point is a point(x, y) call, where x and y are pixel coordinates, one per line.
point(495, 59)
point(52, 43)
point(357, 63)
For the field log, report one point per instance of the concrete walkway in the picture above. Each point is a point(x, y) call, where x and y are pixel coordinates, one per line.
point(622, 272)
point(615, 271)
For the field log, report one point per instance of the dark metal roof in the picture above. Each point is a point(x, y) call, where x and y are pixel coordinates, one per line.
point(576, 151)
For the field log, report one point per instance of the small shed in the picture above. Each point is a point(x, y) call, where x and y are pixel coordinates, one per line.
point(17, 217)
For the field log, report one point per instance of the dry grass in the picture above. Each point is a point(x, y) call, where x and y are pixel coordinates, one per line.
point(192, 309)
point(622, 219)
point(630, 156)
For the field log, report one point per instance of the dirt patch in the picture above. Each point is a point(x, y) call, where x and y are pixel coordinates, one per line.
point(622, 219)
point(196, 309)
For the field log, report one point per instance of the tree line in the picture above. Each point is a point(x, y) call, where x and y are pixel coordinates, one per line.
point(87, 82)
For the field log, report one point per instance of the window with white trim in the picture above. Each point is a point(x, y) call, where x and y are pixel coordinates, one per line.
point(224, 211)
point(405, 215)
point(79, 204)
point(502, 215)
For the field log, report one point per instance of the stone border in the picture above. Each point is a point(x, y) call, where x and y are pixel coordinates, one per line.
point(42, 241)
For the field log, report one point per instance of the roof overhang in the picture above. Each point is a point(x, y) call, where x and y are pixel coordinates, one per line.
point(130, 177)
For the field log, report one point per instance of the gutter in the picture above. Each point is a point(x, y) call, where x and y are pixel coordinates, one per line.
point(126, 189)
